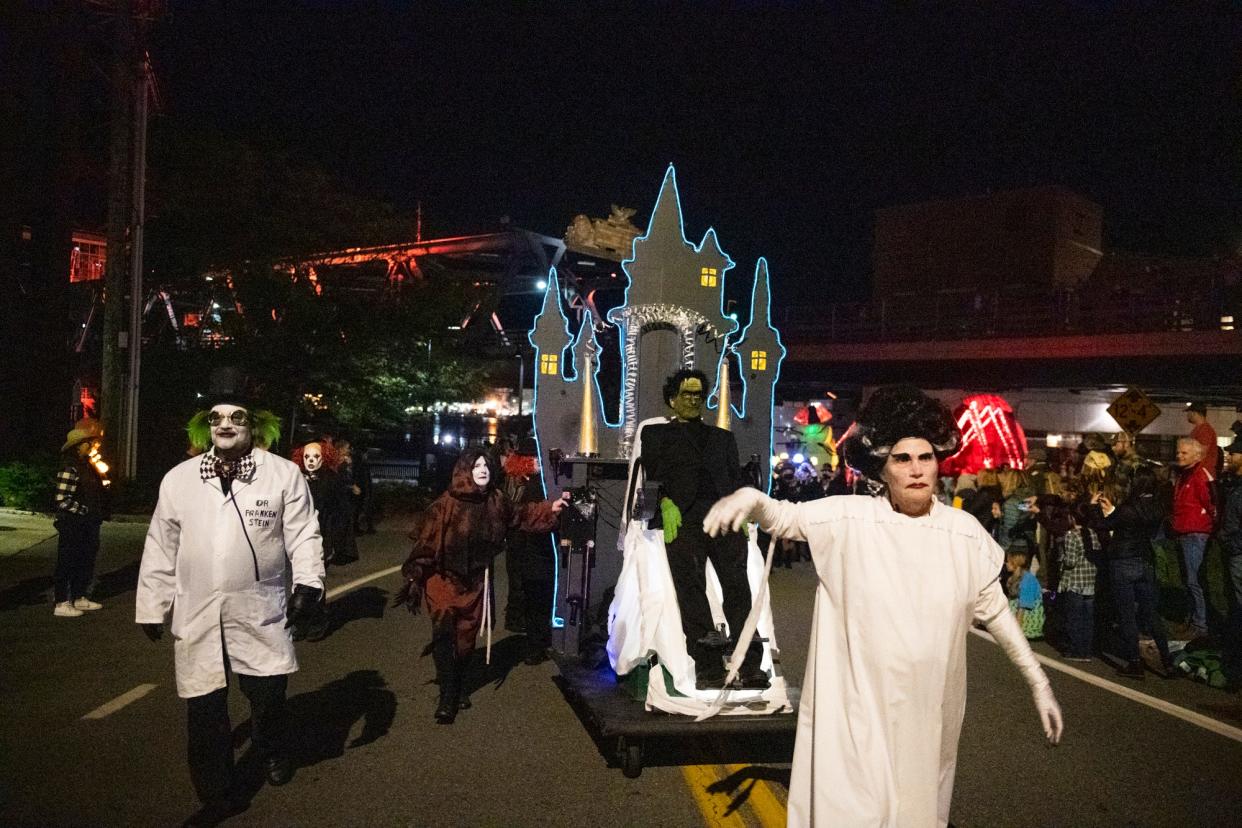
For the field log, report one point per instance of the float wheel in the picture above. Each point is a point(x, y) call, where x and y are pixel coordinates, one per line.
point(630, 755)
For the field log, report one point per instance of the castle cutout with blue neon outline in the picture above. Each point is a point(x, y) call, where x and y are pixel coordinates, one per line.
point(672, 317)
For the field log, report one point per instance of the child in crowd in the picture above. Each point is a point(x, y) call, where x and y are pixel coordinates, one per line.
point(1026, 598)
point(984, 504)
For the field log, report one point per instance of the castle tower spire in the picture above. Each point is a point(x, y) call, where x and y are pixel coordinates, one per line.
point(761, 353)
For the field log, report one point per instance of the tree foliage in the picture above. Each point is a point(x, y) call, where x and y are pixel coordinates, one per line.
point(369, 360)
point(220, 203)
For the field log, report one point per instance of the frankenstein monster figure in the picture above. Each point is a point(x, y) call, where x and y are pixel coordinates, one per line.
point(696, 464)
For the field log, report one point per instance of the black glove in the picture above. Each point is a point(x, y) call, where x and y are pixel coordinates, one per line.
point(153, 631)
point(411, 595)
point(305, 605)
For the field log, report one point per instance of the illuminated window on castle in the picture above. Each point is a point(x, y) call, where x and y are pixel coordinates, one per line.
point(708, 277)
point(758, 360)
point(549, 363)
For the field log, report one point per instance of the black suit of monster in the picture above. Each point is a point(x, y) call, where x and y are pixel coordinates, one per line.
point(696, 464)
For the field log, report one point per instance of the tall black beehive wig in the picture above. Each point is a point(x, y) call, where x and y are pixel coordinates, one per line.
point(893, 413)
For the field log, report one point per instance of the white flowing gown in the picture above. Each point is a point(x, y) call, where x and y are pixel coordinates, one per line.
point(885, 687)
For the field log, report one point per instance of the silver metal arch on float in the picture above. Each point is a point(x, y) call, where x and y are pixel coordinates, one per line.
point(635, 321)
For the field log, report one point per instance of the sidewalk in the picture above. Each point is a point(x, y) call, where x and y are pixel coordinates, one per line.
point(22, 531)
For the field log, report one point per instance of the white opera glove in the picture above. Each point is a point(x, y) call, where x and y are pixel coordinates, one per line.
point(731, 513)
point(1004, 628)
point(1049, 712)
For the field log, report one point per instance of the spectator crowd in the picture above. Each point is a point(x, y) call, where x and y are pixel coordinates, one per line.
point(1092, 537)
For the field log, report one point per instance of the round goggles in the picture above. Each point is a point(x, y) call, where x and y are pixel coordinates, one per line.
point(238, 417)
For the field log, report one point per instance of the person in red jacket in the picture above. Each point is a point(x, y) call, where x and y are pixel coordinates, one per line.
point(1194, 517)
point(1196, 415)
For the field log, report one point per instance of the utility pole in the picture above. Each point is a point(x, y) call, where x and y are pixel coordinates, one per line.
point(122, 316)
point(142, 99)
point(120, 194)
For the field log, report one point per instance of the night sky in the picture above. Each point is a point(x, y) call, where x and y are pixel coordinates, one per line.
point(788, 125)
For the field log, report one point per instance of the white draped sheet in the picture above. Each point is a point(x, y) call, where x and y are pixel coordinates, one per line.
point(644, 621)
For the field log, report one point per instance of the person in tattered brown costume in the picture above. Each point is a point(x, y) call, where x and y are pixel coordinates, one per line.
point(460, 535)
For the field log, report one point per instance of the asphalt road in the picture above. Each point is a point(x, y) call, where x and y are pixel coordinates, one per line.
point(368, 752)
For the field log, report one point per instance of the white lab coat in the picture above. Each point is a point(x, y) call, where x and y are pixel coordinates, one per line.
point(885, 688)
point(198, 574)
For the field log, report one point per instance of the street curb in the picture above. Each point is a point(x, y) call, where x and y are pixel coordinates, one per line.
point(5, 510)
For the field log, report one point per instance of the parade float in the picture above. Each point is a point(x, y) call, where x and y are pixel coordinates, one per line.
point(616, 623)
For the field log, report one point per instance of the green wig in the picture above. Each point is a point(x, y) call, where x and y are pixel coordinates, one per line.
point(264, 429)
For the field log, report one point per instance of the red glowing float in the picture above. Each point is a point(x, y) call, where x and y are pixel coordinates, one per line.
point(992, 437)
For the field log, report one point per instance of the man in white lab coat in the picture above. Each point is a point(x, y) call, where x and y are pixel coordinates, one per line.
point(214, 571)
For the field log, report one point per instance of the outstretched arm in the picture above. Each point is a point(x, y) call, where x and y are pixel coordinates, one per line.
point(538, 516)
point(731, 513)
point(992, 610)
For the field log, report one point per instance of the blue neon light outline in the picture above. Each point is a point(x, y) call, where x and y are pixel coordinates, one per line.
point(551, 294)
point(599, 364)
point(577, 342)
point(670, 181)
point(762, 265)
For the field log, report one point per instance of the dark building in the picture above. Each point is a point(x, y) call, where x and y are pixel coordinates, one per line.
point(1041, 236)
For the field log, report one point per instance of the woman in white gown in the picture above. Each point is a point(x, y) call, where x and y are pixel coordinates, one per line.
point(901, 579)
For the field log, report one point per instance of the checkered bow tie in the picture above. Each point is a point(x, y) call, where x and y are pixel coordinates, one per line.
point(213, 466)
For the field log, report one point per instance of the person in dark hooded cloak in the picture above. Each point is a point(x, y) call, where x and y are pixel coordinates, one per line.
point(460, 535)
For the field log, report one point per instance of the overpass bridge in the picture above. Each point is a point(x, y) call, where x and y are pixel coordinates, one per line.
point(1179, 341)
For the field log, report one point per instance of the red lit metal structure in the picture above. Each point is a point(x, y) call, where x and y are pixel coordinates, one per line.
point(87, 257)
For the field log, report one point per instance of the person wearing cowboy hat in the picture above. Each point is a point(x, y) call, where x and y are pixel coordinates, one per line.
point(234, 528)
point(81, 506)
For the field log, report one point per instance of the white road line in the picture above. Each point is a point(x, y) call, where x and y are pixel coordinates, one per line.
point(141, 690)
point(120, 701)
point(1205, 722)
point(343, 588)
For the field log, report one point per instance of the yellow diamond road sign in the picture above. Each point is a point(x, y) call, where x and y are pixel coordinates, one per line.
point(1134, 411)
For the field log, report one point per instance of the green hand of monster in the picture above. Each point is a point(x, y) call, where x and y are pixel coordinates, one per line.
point(671, 516)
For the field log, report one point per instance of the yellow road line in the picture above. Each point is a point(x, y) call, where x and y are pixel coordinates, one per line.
point(760, 807)
point(768, 809)
point(713, 806)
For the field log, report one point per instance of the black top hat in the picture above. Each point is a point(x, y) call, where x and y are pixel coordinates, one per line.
point(239, 399)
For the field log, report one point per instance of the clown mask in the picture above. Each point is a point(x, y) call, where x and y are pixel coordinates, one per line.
point(312, 457)
point(688, 404)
